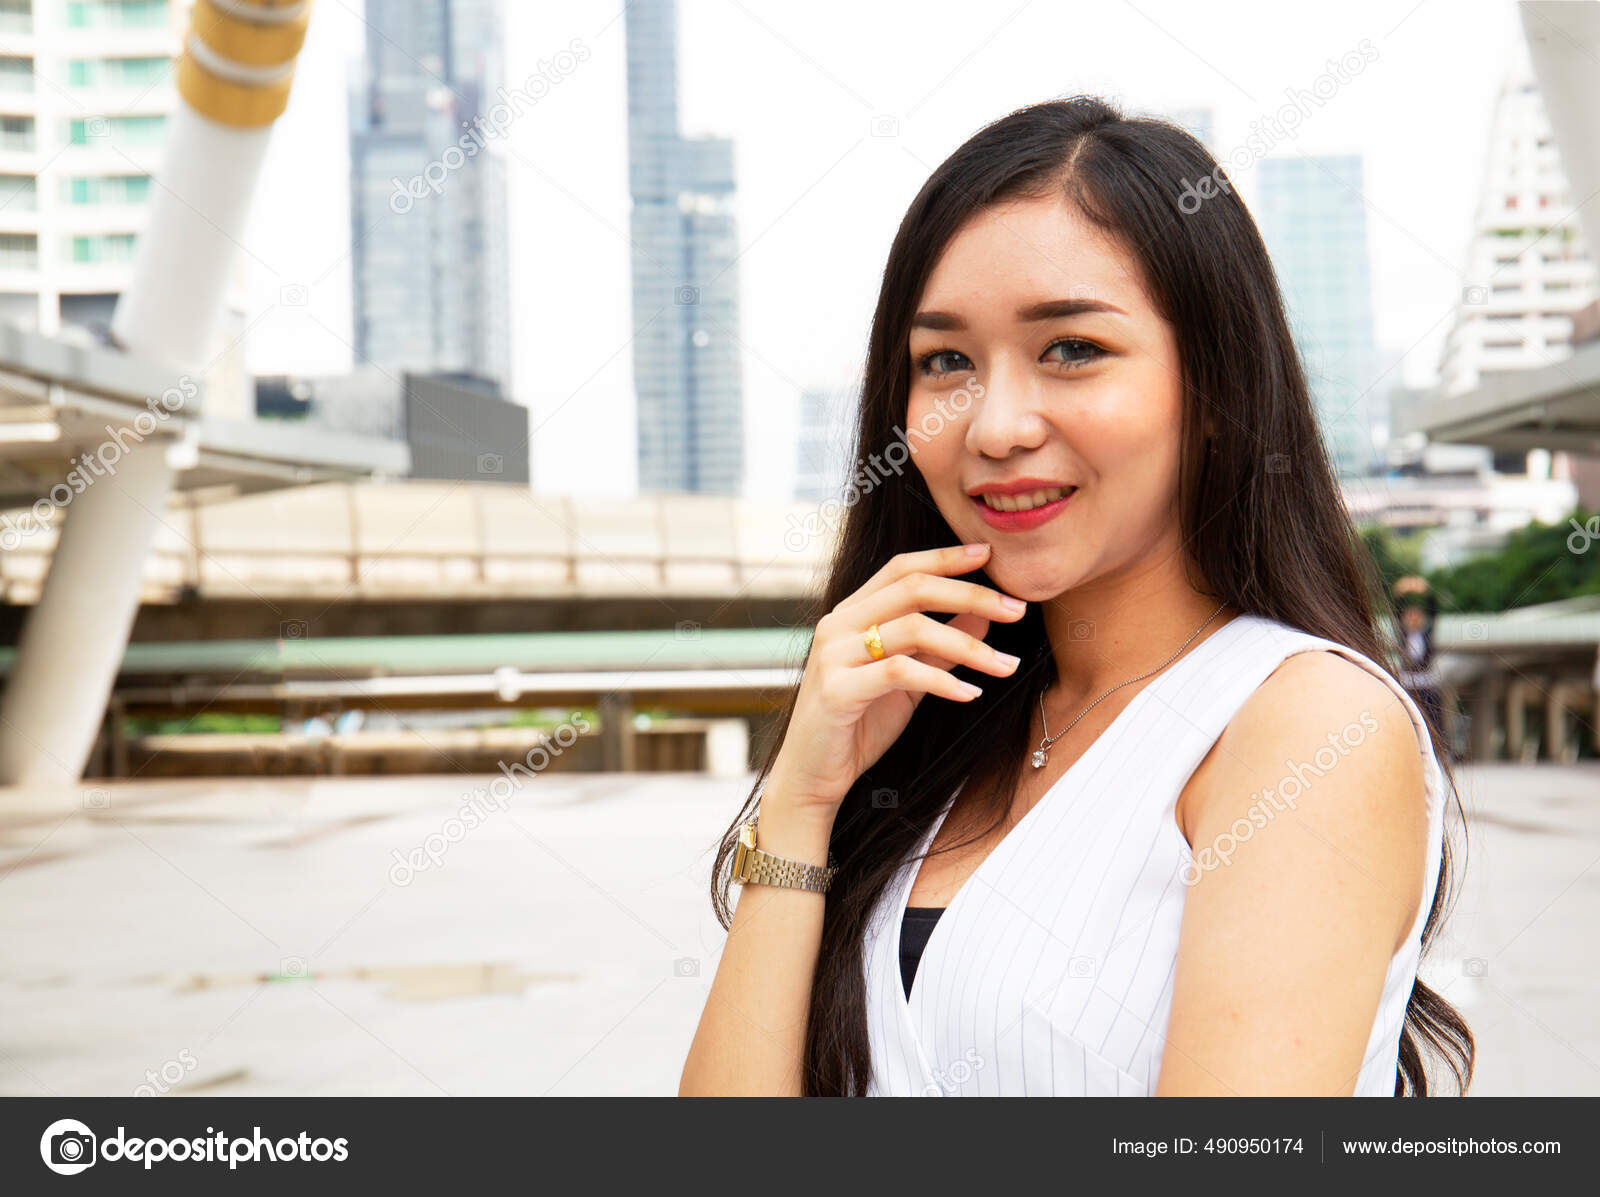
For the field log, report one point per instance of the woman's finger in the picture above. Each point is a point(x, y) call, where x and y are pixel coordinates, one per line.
point(975, 626)
point(929, 592)
point(860, 687)
point(921, 636)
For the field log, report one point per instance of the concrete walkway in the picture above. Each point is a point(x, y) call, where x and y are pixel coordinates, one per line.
point(262, 936)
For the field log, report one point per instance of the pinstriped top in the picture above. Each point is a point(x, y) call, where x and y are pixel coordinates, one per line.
point(1051, 970)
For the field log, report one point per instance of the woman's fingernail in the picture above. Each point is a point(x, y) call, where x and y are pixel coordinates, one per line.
point(1012, 604)
point(1008, 660)
point(970, 690)
point(977, 550)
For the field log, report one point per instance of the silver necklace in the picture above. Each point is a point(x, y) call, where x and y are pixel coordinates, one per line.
point(1042, 753)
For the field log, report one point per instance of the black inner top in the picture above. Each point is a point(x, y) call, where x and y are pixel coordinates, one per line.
point(914, 931)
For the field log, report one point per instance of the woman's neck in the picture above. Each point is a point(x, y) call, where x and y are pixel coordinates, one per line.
point(1113, 630)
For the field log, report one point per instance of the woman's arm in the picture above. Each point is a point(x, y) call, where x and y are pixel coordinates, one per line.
point(1290, 927)
point(852, 704)
point(751, 1037)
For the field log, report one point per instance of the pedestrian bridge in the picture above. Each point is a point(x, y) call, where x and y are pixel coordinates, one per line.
point(342, 542)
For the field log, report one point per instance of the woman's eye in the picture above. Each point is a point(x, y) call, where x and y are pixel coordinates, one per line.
point(1074, 352)
point(943, 361)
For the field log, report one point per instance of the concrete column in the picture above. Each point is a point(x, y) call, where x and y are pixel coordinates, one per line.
point(72, 643)
point(1555, 724)
point(728, 748)
point(1519, 693)
point(1486, 719)
point(1569, 697)
point(616, 733)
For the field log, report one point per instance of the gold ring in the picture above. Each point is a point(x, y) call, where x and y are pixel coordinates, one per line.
point(874, 643)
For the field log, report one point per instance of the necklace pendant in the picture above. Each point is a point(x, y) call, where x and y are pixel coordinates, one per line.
point(1038, 758)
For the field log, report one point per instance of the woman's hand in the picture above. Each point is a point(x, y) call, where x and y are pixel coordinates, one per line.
point(850, 707)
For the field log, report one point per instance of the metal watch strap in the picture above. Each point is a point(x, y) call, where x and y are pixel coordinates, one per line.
point(751, 865)
point(775, 870)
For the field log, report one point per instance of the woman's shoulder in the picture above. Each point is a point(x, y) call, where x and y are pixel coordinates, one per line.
point(1322, 694)
point(1336, 730)
point(1324, 684)
point(1313, 671)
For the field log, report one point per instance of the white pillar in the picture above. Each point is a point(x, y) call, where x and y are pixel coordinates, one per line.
point(173, 305)
point(728, 748)
point(73, 640)
point(233, 77)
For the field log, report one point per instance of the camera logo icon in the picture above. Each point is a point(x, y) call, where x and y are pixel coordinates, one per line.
point(67, 1147)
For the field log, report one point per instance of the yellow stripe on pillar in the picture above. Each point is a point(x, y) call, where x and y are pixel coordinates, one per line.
point(241, 105)
point(250, 43)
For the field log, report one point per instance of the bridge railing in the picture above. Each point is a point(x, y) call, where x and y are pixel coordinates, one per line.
point(463, 540)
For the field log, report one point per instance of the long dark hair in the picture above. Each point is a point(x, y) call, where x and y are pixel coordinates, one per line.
point(1263, 523)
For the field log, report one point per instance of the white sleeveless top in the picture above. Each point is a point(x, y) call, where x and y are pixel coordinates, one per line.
point(1051, 970)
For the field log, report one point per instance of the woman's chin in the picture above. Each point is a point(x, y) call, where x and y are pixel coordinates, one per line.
point(1036, 585)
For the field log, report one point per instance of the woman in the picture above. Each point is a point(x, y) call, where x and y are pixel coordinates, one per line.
point(1082, 778)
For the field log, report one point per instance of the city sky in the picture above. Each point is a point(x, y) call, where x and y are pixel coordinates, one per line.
point(838, 112)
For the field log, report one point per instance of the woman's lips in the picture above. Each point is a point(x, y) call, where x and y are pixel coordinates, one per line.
point(1022, 521)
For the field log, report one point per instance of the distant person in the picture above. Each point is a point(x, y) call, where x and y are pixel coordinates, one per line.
point(1416, 608)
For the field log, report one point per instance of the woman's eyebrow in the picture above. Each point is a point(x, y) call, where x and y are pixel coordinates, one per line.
point(1050, 309)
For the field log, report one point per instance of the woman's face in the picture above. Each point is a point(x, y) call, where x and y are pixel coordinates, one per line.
point(1038, 364)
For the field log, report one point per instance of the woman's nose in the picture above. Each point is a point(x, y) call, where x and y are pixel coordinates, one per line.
point(1006, 418)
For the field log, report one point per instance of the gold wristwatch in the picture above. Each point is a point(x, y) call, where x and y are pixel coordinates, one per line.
point(750, 864)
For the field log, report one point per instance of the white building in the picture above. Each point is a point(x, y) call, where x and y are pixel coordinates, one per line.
point(1460, 514)
point(86, 89)
point(1528, 264)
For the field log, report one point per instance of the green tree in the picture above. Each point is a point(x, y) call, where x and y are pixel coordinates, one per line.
point(1541, 563)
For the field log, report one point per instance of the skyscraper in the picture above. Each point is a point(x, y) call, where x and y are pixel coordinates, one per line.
point(685, 279)
point(1313, 220)
point(822, 448)
point(428, 193)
